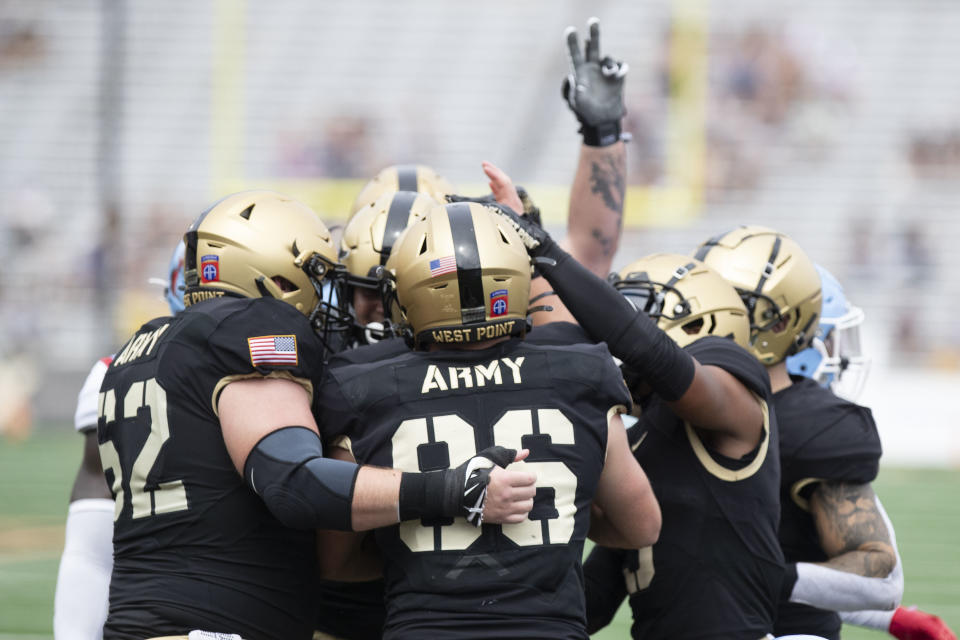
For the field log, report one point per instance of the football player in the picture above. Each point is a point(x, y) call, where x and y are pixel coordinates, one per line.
point(835, 361)
point(209, 443)
point(355, 610)
point(365, 246)
point(83, 580)
point(833, 533)
point(458, 283)
point(709, 436)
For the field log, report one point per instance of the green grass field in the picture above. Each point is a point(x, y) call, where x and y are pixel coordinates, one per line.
point(36, 475)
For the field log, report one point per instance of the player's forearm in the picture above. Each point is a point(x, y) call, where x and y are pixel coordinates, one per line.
point(876, 562)
point(626, 535)
point(595, 221)
point(852, 529)
point(604, 532)
point(375, 498)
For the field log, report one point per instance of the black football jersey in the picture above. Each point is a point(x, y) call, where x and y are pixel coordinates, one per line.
point(822, 437)
point(425, 411)
point(351, 610)
point(716, 570)
point(194, 548)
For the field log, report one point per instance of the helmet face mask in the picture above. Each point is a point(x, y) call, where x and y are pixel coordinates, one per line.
point(264, 244)
point(461, 275)
point(686, 298)
point(778, 283)
point(844, 366)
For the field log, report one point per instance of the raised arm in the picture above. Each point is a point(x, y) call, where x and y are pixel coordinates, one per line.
point(594, 92)
point(706, 396)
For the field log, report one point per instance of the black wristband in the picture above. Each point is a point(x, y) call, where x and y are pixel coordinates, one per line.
point(430, 495)
point(601, 135)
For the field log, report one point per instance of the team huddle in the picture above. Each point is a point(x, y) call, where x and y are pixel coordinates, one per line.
point(412, 435)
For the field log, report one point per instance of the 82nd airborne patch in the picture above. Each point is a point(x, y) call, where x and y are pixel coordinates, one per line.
point(499, 303)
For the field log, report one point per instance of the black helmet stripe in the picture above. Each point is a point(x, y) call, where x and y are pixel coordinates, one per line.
point(190, 241)
point(468, 262)
point(398, 215)
point(708, 245)
point(680, 273)
point(407, 178)
point(769, 267)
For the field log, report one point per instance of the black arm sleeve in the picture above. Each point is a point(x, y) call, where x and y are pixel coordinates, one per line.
point(604, 586)
point(302, 489)
point(608, 317)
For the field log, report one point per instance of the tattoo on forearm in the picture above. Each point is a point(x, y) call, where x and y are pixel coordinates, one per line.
point(606, 242)
point(852, 532)
point(608, 180)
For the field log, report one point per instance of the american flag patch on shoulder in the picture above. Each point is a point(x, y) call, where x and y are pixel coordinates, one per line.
point(276, 350)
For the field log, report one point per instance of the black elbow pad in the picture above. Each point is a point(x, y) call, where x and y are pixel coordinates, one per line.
point(302, 489)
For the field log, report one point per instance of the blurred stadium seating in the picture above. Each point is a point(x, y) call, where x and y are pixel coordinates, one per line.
point(837, 122)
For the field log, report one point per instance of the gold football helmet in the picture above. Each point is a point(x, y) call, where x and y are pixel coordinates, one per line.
point(260, 244)
point(404, 177)
point(778, 283)
point(372, 231)
point(686, 298)
point(460, 275)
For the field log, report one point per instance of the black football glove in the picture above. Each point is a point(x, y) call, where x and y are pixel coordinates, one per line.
point(452, 493)
point(473, 476)
point(535, 238)
point(487, 199)
point(594, 88)
point(530, 209)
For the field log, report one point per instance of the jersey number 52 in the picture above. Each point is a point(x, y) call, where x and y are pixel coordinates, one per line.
point(165, 497)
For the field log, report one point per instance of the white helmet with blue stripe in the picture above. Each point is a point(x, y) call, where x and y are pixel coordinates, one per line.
point(835, 359)
point(173, 288)
point(172, 284)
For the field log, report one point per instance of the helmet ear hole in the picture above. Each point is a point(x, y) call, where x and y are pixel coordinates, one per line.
point(284, 284)
point(693, 327)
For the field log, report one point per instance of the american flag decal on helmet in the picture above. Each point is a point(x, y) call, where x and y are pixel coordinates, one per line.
point(440, 266)
point(273, 350)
